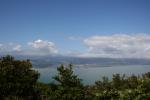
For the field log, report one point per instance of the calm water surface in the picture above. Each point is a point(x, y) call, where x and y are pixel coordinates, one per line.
point(91, 74)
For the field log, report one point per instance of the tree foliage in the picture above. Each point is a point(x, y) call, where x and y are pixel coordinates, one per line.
point(69, 85)
point(18, 81)
point(17, 77)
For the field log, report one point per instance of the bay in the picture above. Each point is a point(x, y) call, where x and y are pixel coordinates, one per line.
point(89, 74)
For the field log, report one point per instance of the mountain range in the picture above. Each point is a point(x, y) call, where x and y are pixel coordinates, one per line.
point(55, 61)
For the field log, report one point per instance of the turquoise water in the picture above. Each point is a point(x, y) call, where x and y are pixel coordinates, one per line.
point(90, 74)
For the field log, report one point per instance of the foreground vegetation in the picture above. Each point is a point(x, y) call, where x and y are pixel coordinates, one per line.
point(18, 81)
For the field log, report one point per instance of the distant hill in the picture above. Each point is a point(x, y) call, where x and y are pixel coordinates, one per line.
point(54, 61)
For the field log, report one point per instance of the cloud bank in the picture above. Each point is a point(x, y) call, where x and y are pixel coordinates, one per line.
point(10, 48)
point(111, 46)
point(118, 46)
point(42, 47)
point(38, 47)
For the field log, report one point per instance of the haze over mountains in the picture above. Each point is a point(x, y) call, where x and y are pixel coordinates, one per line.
point(54, 61)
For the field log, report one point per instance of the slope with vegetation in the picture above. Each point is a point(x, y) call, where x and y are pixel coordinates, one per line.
point(18, 81)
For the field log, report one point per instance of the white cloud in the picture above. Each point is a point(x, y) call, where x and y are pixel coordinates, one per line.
point(10, 48)
point(114, 46)
point(118, 46)
point(17, 48)
point(42, 47)
point(37, 47)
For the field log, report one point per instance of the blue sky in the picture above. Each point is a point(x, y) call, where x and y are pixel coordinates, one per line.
point(69, 23)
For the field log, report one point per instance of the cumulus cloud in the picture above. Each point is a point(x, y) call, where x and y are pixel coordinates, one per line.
point(37, 47)
point(10, 48)
point(113, 46)
point(118, 46)
point(17, 48)
point(42, 47)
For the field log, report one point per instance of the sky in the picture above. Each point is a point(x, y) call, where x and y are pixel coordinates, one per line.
point(82, 28)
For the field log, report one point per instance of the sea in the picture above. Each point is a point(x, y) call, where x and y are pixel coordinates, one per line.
point(91, 73)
